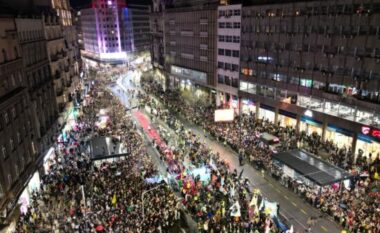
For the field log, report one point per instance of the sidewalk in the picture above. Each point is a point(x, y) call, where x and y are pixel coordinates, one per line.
point(294, 209)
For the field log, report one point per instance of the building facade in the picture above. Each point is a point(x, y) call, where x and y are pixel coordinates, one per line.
point(190, 45)
point(228, 57)
point(140, 27)
point(38, 77)
point(62, 48)
point(18, 136)
point(157, 45)
point(313, 65)
point(113, 32)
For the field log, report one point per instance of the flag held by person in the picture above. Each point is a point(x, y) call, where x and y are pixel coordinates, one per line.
point(114, 199)
point(235, 210)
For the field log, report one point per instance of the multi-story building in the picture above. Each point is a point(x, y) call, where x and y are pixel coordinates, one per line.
point(228, 57)
point(113, 32)
point(62, 48)
point(157, 45)
point(314, 65)
point(78, 27)
point(18, 136)
point(190, 45)
point(139, 17)
point(38, 78)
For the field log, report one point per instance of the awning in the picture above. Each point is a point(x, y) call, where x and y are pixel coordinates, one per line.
point(311, 167)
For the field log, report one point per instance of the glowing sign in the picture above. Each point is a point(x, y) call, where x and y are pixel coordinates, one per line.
point(224, 115)
point(308, 113)
point(366, 130)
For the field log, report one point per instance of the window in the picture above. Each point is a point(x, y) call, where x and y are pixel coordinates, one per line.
point(237, 12)
point(228, 25)
point(19, 138)
point(17, 171)
point(221, 52)
point(228, 38)
point(221, 38)
point(306, 82)
point(235, 53)
point(1, 191)
point(236, 25)
point(4, 53)
point(236, 39)
point(203, 46)
point(14, 114)
point(222, 25)
point(220, 65)
point(235, 67)
point(6, 118)
point(220, 79)
point(11, 144)
point(203, 58)
point(4, 151)
point(222, 13)
point(227, 66)
point(16, 52)
point(235, 82)
point(9, 180)
point(187, 56)
point(227, 80)
point(227, 52)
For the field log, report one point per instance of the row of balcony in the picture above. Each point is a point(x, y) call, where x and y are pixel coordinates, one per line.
point(59, 55)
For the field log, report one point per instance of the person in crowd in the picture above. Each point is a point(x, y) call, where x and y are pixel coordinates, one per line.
point(356, 208)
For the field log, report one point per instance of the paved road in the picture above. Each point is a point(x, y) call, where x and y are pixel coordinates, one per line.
point(292, 207)
point(128, 102)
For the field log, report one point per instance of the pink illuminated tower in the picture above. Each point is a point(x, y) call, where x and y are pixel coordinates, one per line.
point(107, 33)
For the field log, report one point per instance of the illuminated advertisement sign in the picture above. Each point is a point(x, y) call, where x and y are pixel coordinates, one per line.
point(369, 131)
point(224, 115)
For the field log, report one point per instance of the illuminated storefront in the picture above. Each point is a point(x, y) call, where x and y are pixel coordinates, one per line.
point(341, 137)
point(49, 160)
point(368, 141)
point(310, 126)
point(287, 119)
point(266, 113)
point(33, 186)
point(160, 78)
point(248, 106)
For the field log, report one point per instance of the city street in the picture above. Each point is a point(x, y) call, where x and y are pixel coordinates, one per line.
point(292, 207)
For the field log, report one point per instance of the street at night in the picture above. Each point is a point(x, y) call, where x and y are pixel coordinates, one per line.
point(189, 116)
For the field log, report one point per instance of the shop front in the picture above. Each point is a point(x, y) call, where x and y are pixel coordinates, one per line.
point(25, 197)
point(267, 113)
point(160, 78)
point(287, 119)
point(49, 160)
point(248, 106)
point(311, 126)
point(368, 142)
point(339, 136)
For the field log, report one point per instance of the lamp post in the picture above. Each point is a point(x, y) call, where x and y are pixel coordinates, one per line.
point(142, 198)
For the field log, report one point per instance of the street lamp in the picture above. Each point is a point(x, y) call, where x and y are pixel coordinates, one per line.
point(142, 198)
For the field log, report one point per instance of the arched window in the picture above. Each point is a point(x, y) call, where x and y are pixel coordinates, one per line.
point(16, 52)
point(4, 53)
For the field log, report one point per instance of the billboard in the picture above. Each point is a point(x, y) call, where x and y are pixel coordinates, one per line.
point(223, 115)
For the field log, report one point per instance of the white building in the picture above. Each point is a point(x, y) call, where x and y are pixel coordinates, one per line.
point(228, 55)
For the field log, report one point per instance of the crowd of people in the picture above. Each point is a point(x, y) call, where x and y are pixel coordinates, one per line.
point(219, 199)
point(112, 195)
point(356, 208)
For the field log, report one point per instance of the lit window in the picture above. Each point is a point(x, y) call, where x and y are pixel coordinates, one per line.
point(6, 118)
point(4, 151)
point(11, 144)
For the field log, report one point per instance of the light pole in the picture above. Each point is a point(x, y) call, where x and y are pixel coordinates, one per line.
point(142, 198)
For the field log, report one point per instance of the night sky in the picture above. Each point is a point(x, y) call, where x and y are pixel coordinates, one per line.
point(85, 3)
